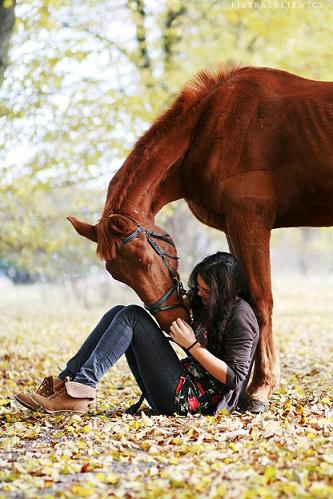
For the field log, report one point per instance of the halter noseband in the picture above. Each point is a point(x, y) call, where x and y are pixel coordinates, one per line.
point(177, 285)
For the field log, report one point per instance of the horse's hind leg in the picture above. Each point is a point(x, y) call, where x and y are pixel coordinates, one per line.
point(249, 237)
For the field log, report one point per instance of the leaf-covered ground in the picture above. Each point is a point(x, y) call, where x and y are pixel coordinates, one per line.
point(286, 452)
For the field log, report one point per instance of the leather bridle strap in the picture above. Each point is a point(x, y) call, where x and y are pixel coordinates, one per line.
point(156, 307)
point(133, 235)
point(177, 285)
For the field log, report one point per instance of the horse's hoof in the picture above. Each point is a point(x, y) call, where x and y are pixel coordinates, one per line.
point(255, 406)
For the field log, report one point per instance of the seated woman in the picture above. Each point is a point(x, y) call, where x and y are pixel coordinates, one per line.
point(221, 344)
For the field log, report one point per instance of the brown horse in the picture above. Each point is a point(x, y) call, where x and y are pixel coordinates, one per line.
point(249, 149)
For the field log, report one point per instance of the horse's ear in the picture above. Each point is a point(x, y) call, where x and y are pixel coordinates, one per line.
point(85, 230)
point(120, 224)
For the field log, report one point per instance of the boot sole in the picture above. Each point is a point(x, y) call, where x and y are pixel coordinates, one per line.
point(47, 411)
point(25, 404)
point(62, 411)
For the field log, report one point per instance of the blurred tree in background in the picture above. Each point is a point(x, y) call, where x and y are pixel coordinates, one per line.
point(7, 20)
point(85, 79)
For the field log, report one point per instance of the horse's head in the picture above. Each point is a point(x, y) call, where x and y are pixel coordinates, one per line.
point(143, 258)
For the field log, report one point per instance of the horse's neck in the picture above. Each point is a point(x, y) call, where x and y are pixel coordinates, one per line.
point(149, 178)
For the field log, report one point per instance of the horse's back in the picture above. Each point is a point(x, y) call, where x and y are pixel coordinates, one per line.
point(272, 122)
point(276, 82)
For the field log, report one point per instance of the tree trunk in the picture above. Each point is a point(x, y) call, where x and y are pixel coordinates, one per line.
point(171, 36)
point(7, 21)
point(137, 8)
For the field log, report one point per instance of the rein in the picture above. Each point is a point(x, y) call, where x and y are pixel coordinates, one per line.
point(177, 285)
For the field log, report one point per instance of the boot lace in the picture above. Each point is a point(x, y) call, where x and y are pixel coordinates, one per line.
point(46, 387)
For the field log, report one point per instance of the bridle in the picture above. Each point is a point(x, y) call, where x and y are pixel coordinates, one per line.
point(177, 285)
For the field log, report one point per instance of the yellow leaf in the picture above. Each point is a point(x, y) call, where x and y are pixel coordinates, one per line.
point(223, 412)
point(145, 445)
point(58, 434)
point(135, 425)
point(4, 402)
point(311, 436)
point(75, 419)
point(177, 441)
point(220, 492)
point(82, 491)
point(255, 433)
point(100, 477)
point(300, 409)
point(112, 478)
point(269, 475)
point(82, 444)
point(177, 480)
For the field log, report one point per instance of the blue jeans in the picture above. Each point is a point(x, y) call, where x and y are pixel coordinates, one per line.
point(131, 331)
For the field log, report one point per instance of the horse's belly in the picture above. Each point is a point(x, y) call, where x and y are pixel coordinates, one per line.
point(305, 211)
point(304, 195)
point(292, 198)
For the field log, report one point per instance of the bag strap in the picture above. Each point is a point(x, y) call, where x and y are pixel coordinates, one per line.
point(135, 407)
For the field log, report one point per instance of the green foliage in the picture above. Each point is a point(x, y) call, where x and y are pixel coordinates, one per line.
point(37, 239)
point(85, 79)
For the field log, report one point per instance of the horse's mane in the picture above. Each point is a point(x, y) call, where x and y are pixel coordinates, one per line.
point(193, 92)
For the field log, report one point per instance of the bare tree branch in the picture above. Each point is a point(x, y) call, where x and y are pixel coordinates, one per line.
point(106, 41)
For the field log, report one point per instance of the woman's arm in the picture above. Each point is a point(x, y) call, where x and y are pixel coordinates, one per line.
point(215, 366)
point(240, 341)
point(184, 335)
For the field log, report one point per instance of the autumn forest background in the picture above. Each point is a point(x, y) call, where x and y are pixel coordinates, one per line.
point(85, 79)
point(80, 82)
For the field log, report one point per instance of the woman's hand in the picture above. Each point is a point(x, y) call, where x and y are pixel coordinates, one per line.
point(182, 333)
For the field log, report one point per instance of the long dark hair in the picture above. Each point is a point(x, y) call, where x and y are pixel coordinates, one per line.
point(223, 274)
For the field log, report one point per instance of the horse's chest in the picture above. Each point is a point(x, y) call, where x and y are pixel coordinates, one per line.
point(204, 186)
point(207, 216)
point(217, 194)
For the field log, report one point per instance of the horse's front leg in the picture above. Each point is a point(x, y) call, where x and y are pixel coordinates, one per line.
point(249, 238)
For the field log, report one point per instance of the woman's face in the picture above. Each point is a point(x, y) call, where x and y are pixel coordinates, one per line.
point(203, 289)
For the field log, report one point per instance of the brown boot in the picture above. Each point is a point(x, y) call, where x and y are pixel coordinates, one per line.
point(72, 397)
point(48, 387)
